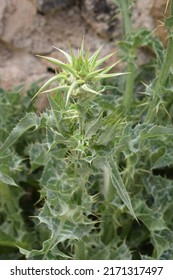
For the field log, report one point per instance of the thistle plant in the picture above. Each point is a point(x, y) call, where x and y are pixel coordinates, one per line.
point(78, 153)
point(100, 164)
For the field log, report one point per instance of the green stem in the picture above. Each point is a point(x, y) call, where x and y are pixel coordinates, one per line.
point(128, 94)
point(162, 76)
point(129, 87)
point(126, 17)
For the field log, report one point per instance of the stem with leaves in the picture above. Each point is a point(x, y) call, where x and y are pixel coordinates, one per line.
point(124, 7)
point(158, 86)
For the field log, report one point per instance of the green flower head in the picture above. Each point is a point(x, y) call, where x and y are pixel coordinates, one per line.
point(80, 75)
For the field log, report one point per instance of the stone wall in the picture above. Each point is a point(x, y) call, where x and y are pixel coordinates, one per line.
point(31, 27)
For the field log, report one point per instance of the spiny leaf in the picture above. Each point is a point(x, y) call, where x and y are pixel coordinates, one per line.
point(63, 65)
point(100, 61)
point(92, 74)
point(56, 89)
point(94, 57)
point(160, 243)
point(119, 185)
point(108, 69)
point(90, 90)
point(29, 121)
point(72, 87)
point(57, 102)
point(69, 58)
point(7, 179)
point(81, 51)
point(107, 135)
point(106, 76)
point(51, 80)
point(156, 131)
point(45, 85)
point(92, 127)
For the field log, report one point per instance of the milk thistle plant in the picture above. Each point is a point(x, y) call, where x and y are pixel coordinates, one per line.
point(98, 158)
point(77, 153)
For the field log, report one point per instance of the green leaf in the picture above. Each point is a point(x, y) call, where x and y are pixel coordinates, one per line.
point(72, 87)
point(152, 222)
point(6, 240)
point(93, 58)
point(107, 135)
point(119, 185)
point(29, 121)
point(57, 89)
point(69, 58)
point(163, 156)
point(7, 179)
point(90, 90)
point(57, 102)
point(45, 85)
point(100, 61)
point(106, 76)
point(64, 66)
point(160, 243)
point(92, 74)
point(156, 131)
point(108, 69)
point(92, 127)
point(37, 155)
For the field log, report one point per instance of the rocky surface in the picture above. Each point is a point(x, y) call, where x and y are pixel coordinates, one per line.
point(31, 27)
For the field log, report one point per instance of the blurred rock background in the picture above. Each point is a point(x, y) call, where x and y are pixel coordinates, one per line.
point(30, 27)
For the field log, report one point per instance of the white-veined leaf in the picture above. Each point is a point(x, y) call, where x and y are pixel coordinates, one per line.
point(119, 185)
point(45, 85)
point(94, 73)
point(106, 76)
point(7, 179)
point(56, 89)
point(65, 54)
point(72, 87)
point(90, 90)
point(94, 57)
point(107, 69)
point(100, 61)
point(29, 121)
point(51, 80)
point(63, 65)
point(92, 127)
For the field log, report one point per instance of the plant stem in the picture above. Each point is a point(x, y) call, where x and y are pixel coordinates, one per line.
point(129, 87)
point(126, 17)
point(163, 74)
point(128, 94)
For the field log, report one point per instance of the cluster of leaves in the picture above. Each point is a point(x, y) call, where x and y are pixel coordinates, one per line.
point(101, 167)
point(15, 227)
